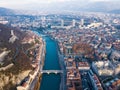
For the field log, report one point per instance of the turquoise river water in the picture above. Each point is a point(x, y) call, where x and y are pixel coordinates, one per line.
point(51, 81)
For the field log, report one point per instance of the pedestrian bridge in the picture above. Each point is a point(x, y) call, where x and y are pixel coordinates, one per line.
point(51, 71)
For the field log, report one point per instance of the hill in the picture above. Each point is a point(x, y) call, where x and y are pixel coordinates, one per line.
point(15, 57)
point(77, 5)
point(5, 11)
point(115, 11)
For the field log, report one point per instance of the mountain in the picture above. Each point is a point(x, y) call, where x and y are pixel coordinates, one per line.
point(77, 5)
point(15, 56)
point(5, 11)
point(108, 6)
point(115, 11)
point(102, 6)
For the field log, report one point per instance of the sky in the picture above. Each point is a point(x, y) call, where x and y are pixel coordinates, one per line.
point(18, 4)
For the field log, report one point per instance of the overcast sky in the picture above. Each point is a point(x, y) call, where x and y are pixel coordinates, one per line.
point(18, 4)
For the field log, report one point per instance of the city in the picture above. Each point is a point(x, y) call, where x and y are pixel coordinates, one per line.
point(60, 51)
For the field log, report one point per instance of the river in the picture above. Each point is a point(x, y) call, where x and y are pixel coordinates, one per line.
point(51, 81)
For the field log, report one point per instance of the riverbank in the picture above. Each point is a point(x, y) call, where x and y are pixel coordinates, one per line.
point(52, 62)
point(31, 81)
point(41, 57)
point(39, 76)
point(62, 65)
point(37, 85)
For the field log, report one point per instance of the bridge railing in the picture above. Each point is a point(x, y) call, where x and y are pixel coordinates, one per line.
point(51, 71)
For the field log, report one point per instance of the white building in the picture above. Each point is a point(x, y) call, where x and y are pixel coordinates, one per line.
point(104, 68)
point(3, 22)
point(73, 23)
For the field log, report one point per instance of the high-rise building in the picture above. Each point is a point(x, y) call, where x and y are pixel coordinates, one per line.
point(62, 22)
point(82, 22)
point(73, 23)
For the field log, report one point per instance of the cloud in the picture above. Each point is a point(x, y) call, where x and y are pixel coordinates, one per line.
point(21, 4)
point(29, 1)
point(18, 4)
point(103, 0)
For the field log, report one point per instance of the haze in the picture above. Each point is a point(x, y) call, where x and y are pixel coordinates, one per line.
point(20, 4)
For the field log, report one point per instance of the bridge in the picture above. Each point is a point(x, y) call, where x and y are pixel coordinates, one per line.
point(51, 71)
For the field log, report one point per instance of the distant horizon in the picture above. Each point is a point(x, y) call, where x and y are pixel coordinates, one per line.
point(47, 4)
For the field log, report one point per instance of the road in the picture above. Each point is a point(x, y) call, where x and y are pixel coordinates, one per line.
point(63, 76)
point(42, 55)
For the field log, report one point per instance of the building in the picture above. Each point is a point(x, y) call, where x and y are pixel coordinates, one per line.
point(83, 66)
point(68, 49)
point(73, 23)
point(70, 65)
point(103, 68)
point(106, 68)
point(73, 80)
point(3, 22)
point(95, 81)
point(113, 84)
point(62, 23)
point(95, 25)
point(82, 22)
